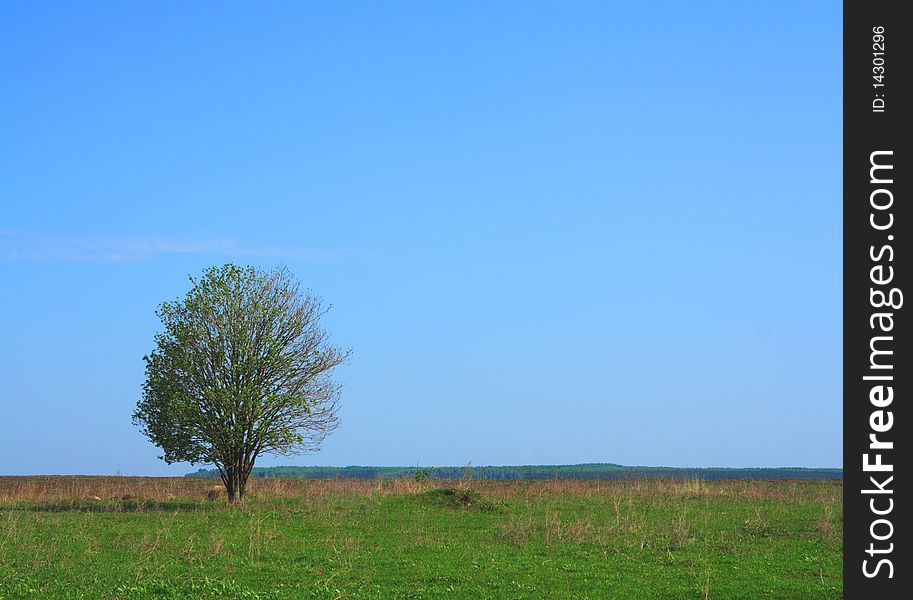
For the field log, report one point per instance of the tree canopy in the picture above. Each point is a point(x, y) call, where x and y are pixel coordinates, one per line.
point(242, 368)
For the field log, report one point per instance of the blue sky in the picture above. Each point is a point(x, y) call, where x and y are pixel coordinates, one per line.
point(552, 232)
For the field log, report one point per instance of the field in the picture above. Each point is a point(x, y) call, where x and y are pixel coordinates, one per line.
point(121, 537)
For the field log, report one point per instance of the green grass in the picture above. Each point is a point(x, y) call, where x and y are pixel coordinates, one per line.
point(548, 540)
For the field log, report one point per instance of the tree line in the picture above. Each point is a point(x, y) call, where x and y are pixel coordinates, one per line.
point(601, 471)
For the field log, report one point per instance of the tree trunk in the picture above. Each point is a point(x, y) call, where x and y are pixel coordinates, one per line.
point(232, 485)
point(235, 473)
point(231, 488)
point(236, 485)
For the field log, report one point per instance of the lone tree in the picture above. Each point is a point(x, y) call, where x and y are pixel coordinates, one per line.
point(242, 368)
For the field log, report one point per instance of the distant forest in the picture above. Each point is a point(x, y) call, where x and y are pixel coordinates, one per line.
point(584, 471)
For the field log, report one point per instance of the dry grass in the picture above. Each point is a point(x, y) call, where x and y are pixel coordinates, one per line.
point(60, 488)
point(87, 488)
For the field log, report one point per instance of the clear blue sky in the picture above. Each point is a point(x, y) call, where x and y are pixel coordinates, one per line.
point(552, 232)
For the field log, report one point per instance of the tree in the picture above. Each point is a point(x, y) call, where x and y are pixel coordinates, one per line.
point(242, 368)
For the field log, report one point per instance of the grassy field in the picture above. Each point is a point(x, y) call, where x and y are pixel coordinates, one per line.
point(120, 537)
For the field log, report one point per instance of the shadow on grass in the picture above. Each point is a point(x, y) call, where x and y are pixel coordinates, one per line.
point(113, 506)
point(460, 499)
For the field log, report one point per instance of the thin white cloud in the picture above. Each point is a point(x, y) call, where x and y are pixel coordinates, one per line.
point(23, 246)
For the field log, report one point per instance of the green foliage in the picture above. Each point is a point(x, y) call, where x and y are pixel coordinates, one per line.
point(241, 368)
point(423, 474)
